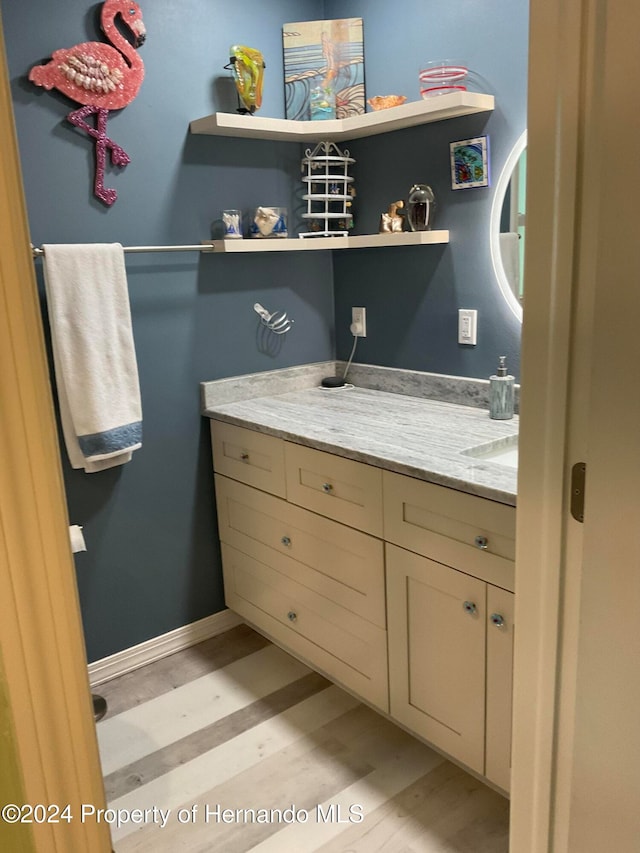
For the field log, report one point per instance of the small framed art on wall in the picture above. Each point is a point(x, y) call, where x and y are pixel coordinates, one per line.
point(470, 163)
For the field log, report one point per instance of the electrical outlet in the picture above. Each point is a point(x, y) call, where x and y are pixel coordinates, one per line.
point(468, 326)
point(359, 322)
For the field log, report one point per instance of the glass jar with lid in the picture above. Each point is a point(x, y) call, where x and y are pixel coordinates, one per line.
point(420, 207)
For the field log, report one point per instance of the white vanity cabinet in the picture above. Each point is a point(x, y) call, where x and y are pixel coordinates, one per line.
point(398, 589)
point(450, 626)
point(311, 584)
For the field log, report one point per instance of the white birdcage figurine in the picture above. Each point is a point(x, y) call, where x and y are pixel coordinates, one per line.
point(328, 193)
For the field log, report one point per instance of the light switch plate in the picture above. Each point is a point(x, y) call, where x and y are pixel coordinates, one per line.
point(468, 326)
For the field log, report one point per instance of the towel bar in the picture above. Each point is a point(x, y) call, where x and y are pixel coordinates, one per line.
point(39, 252)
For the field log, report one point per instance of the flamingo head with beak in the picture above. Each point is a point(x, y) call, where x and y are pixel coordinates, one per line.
point(131, 15)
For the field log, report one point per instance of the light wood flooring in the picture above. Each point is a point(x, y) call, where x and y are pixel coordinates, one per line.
point(235, 723)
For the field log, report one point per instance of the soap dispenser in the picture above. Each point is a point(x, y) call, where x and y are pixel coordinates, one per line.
point(501, 392)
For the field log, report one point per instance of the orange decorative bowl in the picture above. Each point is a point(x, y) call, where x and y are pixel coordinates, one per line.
point(383, 102)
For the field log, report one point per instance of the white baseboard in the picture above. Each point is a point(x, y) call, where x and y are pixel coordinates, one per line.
point(159, 647)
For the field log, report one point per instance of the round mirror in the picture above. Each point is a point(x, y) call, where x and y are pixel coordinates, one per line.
point(508, 213)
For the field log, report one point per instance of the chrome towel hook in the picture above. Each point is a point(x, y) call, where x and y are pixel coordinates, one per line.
point(276, 321)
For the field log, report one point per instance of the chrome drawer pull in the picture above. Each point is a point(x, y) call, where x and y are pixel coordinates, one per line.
point(497, 619)
point(244, 457)
point(292, 616)
point(469, 607)
point(327, 487)
point(286, 541)
point(482, 542)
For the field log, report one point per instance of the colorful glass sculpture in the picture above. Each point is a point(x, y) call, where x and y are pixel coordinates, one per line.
point(101, 76)
point(248, 72)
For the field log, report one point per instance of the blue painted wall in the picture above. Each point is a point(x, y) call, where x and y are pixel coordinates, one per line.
point(412, 297)
point(153, 559)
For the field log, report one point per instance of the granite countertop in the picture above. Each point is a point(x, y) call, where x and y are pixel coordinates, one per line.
point(424, 438)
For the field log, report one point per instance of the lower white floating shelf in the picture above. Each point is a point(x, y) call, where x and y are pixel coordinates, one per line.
point(306, 244)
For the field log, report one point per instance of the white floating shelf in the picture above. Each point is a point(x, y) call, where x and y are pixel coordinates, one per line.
point(306, 244)
point(383, 121)
point(406, 238)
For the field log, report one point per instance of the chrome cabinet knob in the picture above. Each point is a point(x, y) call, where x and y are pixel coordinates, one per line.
point(482, 542)
point(292, 616)
point(244, 456)
point(497, 619)
point(286, 541)
point(327, 487)
point(469, 607)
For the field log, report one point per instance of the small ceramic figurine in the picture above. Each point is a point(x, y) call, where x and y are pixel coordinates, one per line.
point(391, 221)
point(269, 222)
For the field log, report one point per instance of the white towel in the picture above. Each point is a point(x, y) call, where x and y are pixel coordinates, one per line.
point(93, 353)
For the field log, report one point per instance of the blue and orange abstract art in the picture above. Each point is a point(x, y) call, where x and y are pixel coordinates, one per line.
point(324, 54)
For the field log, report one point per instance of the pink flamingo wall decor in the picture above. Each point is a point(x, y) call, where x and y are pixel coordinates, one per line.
point(103, 77)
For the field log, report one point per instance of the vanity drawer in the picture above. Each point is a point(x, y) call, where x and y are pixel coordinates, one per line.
point(249, 456)
point(347, 648)
point(467, 532)
point(348, 491)
point(342, 564)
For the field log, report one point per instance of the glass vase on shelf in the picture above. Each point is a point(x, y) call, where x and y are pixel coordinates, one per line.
point(322, 104)
point(420, 207)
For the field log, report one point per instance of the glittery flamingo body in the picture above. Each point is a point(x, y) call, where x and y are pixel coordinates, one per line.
point(101, 76)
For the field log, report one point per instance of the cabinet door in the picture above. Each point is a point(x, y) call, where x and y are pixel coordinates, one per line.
point(500, 608)
point(436, 636)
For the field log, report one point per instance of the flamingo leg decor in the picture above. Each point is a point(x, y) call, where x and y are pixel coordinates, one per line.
point(119, 156)
point(102, 77)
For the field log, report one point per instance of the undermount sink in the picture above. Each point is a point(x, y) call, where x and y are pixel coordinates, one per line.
point(503, 451)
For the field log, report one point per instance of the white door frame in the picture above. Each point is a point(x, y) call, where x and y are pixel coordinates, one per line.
point(576, 751)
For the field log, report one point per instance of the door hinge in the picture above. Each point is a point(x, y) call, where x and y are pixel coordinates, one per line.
point(578, 475)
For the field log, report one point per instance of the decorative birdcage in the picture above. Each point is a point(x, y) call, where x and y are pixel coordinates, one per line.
point(329, 191)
